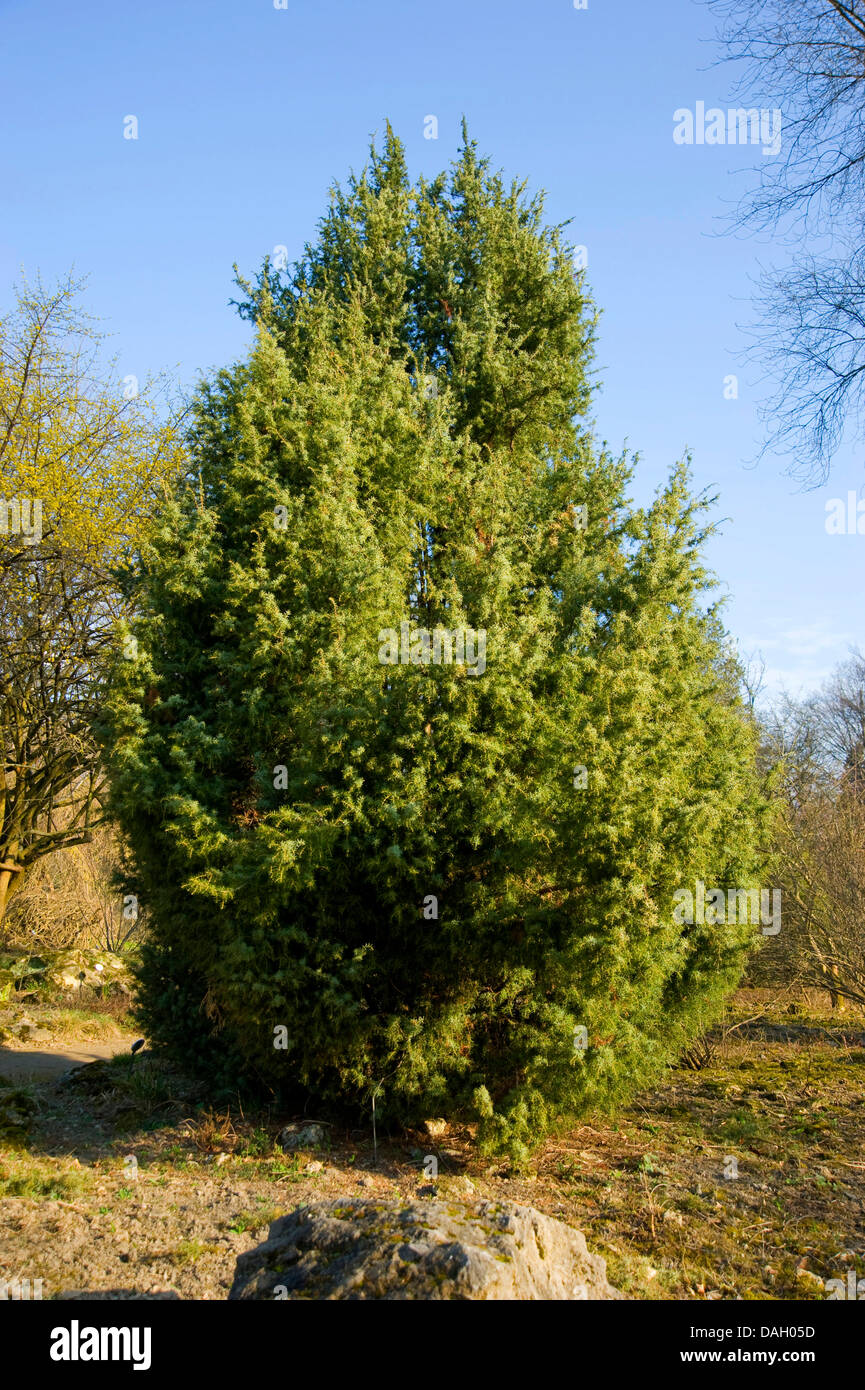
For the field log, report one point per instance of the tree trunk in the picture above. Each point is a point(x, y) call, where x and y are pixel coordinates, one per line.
point(11, 876)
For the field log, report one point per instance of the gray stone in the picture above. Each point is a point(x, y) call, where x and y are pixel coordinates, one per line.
point(27, 1031)
point(359, 1248)
point(301, 1136)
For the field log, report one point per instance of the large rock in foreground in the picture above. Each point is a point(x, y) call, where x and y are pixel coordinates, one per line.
point(358, 1249)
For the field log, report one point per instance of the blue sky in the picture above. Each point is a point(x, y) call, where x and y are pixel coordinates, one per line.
point(247, 113)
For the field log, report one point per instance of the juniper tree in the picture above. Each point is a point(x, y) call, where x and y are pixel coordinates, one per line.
point(446, 886)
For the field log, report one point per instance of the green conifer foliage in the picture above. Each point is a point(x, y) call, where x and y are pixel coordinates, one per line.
point(448, 886)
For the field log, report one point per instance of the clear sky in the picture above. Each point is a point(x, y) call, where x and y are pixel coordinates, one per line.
point(247, 113)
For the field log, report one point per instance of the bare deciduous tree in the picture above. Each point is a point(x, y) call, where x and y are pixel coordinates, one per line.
point(820, 746)
point(823, 854)
point(72, 898)
point(808, 60)
point(55, 632)
point(87, 463)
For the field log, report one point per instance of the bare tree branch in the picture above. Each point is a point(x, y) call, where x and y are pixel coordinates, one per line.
point(808, 60)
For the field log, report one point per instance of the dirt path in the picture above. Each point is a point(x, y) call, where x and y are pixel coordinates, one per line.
point(46, 1065)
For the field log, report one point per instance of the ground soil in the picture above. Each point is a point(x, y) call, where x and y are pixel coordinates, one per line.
point(745, 1179)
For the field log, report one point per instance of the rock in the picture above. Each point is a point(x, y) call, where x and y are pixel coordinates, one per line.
point(457, 1186)
point(27, 1031)
point(99, 969)
point(301, 1137)
point(358, 1248)
point(435, 1128)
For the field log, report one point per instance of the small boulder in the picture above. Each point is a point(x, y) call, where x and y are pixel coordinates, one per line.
point(359, 1248)
point(69, 970)
point(435, 1128)
point(458, 1186)
point(25, 1030)
point(301, 1137)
